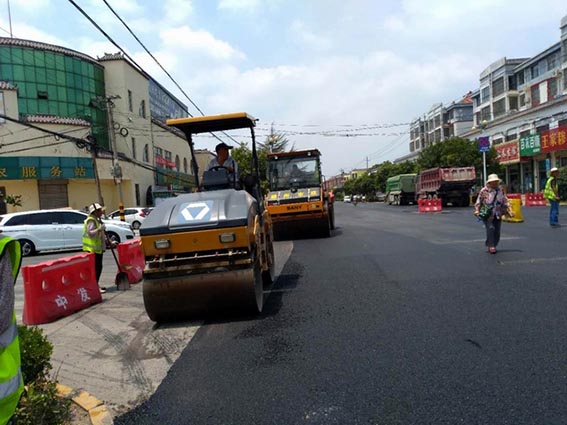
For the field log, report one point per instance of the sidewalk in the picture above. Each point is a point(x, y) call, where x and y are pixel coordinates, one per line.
point(112, 350)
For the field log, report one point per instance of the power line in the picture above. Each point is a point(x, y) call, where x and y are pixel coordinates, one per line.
point(78, 142)
point(145, 48)
point(151, 55)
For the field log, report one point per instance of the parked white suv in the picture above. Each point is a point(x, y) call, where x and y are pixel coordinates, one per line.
point(135, 216)
point(55, 229)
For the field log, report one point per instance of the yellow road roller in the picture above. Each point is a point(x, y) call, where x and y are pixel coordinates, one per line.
point(211, 249)
point(298, 201)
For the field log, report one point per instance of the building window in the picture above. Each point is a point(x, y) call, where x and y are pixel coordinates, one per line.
point(498, 87)
point(185, 165)
point(552, 88)
point(535, 95)
point(159, 152)
point(512, 82)
point(499, 108)
point(485, 114)
point(143, 109)
point(42, 95)
point(484, 94)
point(535, 71)
point(168, 157)
point(134, 148)
point(146, 155)
point(137, 191)
point(521, 78)
point(511, 136)
point(497, 141)
point(522, 100)
point(130, 102)
point(177, 163)
point(513, 103)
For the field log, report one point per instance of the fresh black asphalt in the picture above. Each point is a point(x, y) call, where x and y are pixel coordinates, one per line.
point(398, 318)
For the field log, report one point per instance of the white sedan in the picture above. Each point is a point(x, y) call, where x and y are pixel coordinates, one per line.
point(55, 229)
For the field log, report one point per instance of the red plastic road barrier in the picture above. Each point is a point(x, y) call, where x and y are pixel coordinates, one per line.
point(429, 205)
point(535, 200)
point(59, 288)
point(131, 257)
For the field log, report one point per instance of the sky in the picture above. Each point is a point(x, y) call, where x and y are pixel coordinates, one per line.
point(343, 76)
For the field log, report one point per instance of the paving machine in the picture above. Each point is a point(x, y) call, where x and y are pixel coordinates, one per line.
point(212, 248)
point(298, 200)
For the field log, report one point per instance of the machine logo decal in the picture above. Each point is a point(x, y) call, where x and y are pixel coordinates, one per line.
point(197, 211)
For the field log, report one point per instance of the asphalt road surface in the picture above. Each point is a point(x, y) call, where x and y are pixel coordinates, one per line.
point(398, 318)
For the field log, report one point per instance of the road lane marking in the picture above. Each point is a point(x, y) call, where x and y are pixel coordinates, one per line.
point(464, 241)
point(532, 261)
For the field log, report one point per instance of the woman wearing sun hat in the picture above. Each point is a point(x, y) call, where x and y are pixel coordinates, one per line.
point(490, 206)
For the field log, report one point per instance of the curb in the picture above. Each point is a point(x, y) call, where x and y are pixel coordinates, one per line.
point(98, 413)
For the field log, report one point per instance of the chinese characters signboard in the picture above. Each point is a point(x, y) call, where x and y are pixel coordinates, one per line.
point(530, 145)
point(508, 153)
point(554, 140)
point(35, 167)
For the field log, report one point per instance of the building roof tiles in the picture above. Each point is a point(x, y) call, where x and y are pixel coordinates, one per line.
point(53, 119)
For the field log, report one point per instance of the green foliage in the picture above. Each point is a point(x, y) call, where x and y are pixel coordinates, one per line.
point(275, 142)
point(35, 352)
point(562, 183)
point(40, 405)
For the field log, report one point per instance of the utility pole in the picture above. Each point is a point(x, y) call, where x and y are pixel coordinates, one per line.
point(116, 169)
point(93, 148)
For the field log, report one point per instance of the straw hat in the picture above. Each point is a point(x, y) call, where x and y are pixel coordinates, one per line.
point(493, 178)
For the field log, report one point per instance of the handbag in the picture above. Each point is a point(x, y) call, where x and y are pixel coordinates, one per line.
point(485, 210)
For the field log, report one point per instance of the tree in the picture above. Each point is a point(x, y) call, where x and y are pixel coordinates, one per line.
point(275, 142)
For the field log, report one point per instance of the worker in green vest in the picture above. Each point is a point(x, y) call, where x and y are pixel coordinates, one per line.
point(11, 381)
point(94, 238)
point(551, 193)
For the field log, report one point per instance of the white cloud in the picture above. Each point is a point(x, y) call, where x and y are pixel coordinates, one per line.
point(27, 32)
point(177, 11)
point(307, 38)
point(201, 42)
point(239, 4)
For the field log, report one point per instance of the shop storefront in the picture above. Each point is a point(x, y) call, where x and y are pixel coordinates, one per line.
point(538, 154)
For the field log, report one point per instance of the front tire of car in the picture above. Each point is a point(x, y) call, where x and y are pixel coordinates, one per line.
point(28, 248)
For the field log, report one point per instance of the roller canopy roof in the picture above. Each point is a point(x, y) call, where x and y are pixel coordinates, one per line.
point(210, 123)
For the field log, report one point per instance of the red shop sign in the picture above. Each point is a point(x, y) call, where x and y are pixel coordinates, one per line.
point(554, 140)
point(509, 152)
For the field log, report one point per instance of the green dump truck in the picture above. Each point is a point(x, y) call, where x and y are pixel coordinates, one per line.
point(400, 189)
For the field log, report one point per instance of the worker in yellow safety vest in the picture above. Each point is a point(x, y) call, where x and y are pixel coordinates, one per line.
point(11, 381)
point(551, 193)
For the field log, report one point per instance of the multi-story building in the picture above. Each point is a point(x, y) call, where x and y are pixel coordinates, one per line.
point(522, 108)
point(438, 124)
point(67, 92)
point(336, 182)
